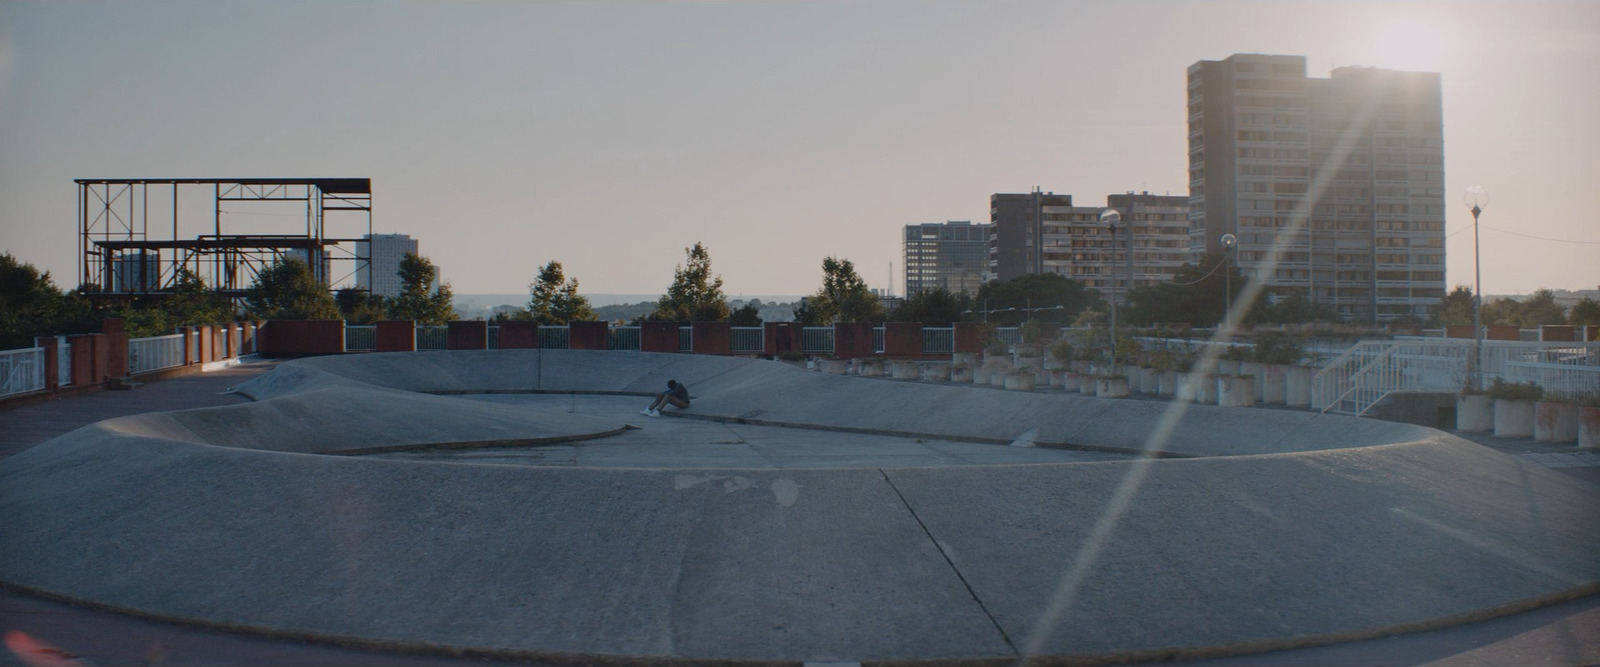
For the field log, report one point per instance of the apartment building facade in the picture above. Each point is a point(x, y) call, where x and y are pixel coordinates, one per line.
point(384, 252)
point(1043, 232)
point(1334, 188)
point(952, 256)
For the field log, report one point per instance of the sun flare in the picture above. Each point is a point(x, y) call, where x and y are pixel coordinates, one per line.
point(1409, 45)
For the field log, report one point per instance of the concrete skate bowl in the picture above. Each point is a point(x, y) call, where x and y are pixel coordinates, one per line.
point(1266, 529)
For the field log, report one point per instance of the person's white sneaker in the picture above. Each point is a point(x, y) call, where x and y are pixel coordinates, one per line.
point(645, 412)
point(655, 413)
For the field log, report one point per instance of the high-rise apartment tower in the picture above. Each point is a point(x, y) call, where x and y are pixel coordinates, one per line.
point(1043, 232)
point(385, 252)
point(1334, 188)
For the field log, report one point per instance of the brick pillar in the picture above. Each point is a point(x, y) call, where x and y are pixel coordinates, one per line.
point(969, 337)
point(188, 339)
point(902, 340)
point(1458, 331)
point(467, 335)
point(519, 335)
point(52, 362)
point(1591, 333)
point(116, 347)
point(398, 336)
point(658, 336)
point(781, 338)
point(852, 340)
point(588, 336)
point(83, 359)
point(1502, 332)
point(712, 338)
point(1557, 333)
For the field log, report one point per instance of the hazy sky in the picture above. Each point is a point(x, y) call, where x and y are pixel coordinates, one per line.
point(610, 135)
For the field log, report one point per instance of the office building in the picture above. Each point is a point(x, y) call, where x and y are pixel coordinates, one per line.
point(1334, 188)
point(1043, 232)
point(135, 272)
point(952, 256)
point(384, 251)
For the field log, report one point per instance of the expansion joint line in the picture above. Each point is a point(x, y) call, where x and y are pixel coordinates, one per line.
point(979, 601)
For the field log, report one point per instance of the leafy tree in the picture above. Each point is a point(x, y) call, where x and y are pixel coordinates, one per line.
point(555, 299)
point(1063, 297)
point(694, 295)
point(936, 307)
point(30, 304)
point(1540, 309)
point(359, 306)
point(844, 297)
point(1455, 309)
point(192, 303)
point(414, 302)
point(1586, 311)
point(1195, 296)
point(748, 315)
point(1293, 308)
point(286, 290)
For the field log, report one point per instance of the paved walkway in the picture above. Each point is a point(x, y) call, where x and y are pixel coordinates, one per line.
point(1567, 634)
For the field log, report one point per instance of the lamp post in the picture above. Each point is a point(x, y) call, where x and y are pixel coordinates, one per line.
point(1228, 243)
point(1477, 198)
point(1112, 218)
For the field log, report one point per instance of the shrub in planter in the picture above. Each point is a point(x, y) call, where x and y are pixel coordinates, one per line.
point(1555, 418)
point(1019, 379)
point(1514, 408)
point(1474, 412)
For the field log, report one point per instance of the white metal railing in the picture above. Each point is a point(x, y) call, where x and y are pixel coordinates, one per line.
point(360, 337)
point(816, 340)
point(554, 338)
point(877, 340)
point(194, 347)
point(494, 338)
point(155, 353)
point(1008, 336)
point(21, 371)
point(64, 362)
point(749, 340)
point(433, 337)
point(1370, 370)
point(623, 338)
point(938, 340)
point(686, 339)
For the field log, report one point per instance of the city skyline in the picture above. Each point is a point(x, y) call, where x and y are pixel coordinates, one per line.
point(611, 136)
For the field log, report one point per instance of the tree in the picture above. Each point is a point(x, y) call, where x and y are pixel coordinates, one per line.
point(414, 302)
point(1293, 308)
point(1539, 310)
point(1196, 295)
point(1585, 312)
point(359, 306)
point(286, 290)
point(1455, 309)
point(30, 304)
point(844, 297)
point(748, 315)
point(192, 302)
point(555, 299)
point(937, 307)
point(694, 296)
point(1063, 297)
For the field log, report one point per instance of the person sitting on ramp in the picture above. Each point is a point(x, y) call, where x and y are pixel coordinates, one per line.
point(676, 394)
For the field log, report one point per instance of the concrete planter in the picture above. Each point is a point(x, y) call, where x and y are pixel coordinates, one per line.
point(1027, 362)
point(968, 358)
point(1474, 413)
point(1589, 427)
point(1111, 387)
point(1079, 367)
point(1513, 419)
point(1087, 384)
point(1019, 381)
point(1227, 367)
point(1253, 369)
point(1168, 383)
point(904, 370)
point(1555, 422)
point(1070, 381)
point(870, 368)
point(980, 374)
point(961, 374)
point(1206, 391)
point(834, 366)
point(1297, 386)
point(1150, 382)
point(1272, 385)
point(935, 372)
point(998, 377)
point(1236, 391)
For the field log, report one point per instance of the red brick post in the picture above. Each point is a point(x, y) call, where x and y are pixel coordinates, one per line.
point(52, 361)
point(467, 335)
point(712, 338)
point(969, 337)
point(658, 336)
point(519, 335)
point(852, 340)
point(1557, 333)
point(588, 336)
point(116, 342)
point(1503, 332)
point(302, 338)
point(396, 336)
point(902, 340)
point(781, 338)
point(82, 354)
point(1591, 333)
point(1458, 331)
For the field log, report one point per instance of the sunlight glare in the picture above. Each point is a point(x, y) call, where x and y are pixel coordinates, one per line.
point(1409, 44)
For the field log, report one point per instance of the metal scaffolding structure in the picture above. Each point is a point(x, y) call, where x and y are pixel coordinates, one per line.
point(129, 250)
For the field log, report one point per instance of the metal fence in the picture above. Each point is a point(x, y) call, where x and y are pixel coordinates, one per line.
point(749, 340)
point(433, 337)
point(155, 353)
point(623, 338)
point(21, 371)
point(938, 340)
point(360, 337)
point(686, 339)
point(493, 341)
point(63, 362)
point(816, 340)
point(554, 338)
point(877, 340)
point(1371, 370)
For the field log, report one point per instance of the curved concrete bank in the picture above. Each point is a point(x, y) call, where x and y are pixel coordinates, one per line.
point(1286, 528)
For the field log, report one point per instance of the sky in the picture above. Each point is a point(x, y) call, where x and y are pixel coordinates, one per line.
point(610, 136)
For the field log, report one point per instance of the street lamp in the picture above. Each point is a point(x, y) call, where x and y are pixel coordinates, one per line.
point(1112, 218)
point(1228, 242)
point(1477, 198)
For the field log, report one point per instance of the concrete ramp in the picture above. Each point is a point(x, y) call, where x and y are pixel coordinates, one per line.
point(1282, 529)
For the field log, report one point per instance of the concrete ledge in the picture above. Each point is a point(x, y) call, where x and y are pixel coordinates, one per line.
point(1280, 529)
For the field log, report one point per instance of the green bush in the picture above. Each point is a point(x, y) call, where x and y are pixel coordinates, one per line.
point(1514, 391)
point(1275, 347)
point(1061, 351)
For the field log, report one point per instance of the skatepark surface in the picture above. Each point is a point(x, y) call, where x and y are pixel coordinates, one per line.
point(513, 503)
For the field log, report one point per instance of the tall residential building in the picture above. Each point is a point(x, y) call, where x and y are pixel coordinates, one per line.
point(136, 272)
point(385, 252)
point(1343, 176)
point(1043, 232)
point(952, 256)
